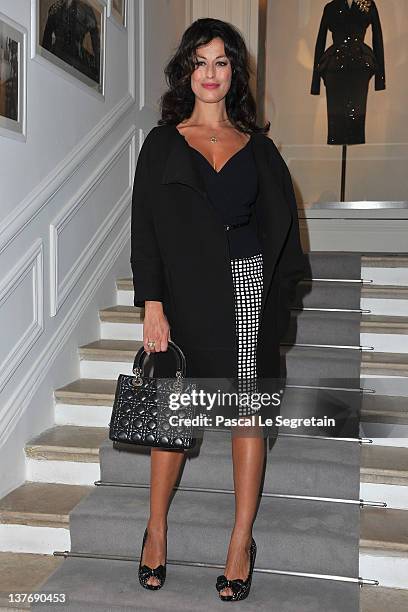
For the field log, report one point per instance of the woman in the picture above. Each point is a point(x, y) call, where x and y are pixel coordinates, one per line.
point(215, 259)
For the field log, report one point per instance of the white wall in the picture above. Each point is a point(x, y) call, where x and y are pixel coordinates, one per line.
point(65, 213)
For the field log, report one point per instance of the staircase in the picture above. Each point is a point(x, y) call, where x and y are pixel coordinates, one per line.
point(65, 463)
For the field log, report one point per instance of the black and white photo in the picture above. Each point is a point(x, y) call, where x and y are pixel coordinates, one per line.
point(71, 35)
point(12, 78)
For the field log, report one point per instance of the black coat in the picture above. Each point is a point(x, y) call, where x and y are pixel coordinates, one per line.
point(180, 255)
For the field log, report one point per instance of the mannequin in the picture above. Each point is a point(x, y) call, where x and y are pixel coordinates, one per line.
point(347, 66)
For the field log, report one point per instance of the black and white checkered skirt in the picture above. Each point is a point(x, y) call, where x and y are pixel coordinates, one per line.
point(247, 277)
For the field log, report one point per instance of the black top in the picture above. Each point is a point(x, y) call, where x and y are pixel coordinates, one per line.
point(233, 192)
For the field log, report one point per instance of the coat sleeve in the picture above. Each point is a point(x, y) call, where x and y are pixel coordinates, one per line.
point(292, 264)
point(145, 258)
point(378, 48)
point(319, 50)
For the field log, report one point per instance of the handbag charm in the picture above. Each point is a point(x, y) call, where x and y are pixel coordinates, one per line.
point(143, 407)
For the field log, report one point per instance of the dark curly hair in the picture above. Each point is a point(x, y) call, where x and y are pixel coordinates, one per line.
point(177, 102)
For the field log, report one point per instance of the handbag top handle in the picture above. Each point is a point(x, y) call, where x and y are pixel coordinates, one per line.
point(181, 359)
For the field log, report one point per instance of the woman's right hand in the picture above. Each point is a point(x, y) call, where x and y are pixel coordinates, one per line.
point(155, 327)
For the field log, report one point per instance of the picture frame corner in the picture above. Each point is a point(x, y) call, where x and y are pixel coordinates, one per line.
point(111, 14)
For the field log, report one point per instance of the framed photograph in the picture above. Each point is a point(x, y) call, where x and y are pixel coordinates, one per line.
point(118, 11)
point(13, 39)
point(71, 35)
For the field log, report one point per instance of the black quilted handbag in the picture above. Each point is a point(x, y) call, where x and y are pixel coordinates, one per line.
point(142, 408)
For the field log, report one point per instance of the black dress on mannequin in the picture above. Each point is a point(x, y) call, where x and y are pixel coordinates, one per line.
point(347, 66)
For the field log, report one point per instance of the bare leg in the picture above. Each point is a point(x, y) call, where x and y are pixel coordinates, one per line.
point(165, 468)
point(248, 455)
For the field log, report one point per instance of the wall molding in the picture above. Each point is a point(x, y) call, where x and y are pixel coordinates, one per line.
point(33, 377)
point(31, 264)
point(142, 55)
point(131, 48)
point(41, 195)
point(61, 288)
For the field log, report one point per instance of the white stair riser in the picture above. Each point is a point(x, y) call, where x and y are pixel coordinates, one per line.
point(386, 276)
point(62, 472)
point(378, 306)
point(81, 415)
point(112, 369)
point(68, 472)
point(124, 298)
point(30, 539)
point(398, 442)
point(385, 343)
point(90, 416)
point(104, 369)
point(99, 416)
point(384, 431)
point(385, 385)
point(121, 331)
point(389, 570)
point(385, 306)
point(395, 496)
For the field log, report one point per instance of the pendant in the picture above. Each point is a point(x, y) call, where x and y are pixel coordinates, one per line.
point(213, 139)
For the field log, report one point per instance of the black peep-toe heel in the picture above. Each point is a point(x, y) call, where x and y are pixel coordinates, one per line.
point(240, 588)
point(146, 572)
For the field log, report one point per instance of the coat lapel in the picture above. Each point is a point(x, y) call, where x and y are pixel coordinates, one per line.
point(179, 167)
point(271, 208)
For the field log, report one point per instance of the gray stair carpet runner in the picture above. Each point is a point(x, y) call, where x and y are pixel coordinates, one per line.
point(306, 530)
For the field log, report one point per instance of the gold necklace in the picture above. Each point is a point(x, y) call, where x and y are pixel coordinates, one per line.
point(214, 138)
